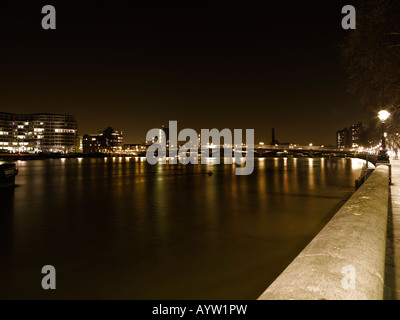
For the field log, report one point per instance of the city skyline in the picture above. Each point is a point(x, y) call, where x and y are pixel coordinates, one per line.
point(136, 67)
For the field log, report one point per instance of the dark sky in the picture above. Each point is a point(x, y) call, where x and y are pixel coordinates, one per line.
point(137, 66)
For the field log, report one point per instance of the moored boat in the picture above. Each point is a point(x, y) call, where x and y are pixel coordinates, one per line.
point(8, 171)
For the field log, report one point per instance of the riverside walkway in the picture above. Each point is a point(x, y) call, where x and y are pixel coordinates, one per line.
point(392, 268)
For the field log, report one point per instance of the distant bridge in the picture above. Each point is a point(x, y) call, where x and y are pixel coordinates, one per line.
point(261, 150)
point(311, 151)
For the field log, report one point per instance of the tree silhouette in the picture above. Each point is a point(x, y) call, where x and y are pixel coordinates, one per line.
point(371, 54)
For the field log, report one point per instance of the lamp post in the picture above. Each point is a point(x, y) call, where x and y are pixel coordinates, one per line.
point(383, 115)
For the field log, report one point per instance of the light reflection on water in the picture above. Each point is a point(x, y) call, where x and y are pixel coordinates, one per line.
point(124, 229)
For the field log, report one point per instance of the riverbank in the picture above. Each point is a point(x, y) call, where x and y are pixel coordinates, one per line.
point(44, 156)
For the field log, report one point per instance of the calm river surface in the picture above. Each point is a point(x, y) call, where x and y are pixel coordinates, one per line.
point(122, 229)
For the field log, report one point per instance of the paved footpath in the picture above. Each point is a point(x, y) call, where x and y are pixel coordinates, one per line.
point(392, 270)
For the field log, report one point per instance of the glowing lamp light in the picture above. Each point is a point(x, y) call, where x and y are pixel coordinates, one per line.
point(383, 115)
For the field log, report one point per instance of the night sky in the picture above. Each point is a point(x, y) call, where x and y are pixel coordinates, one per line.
point(137, 66)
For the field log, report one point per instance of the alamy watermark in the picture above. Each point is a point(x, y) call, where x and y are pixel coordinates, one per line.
point(49, 20)
point(189, 152)
point(349, 20)
point(349, 277)
point(49, 280)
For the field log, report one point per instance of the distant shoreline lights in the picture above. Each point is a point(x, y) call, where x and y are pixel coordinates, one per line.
point(189, 152)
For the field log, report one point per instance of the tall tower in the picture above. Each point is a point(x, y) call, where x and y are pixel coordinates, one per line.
point(273, 140)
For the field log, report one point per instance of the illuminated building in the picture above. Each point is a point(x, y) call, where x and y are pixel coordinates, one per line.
point(107, 141)
point(40, 132)
point(350, 137)
point(342, 138)
point(356, 131)
point(134, 149)
point(91, 143)
point(79, 144)
point(111, 140)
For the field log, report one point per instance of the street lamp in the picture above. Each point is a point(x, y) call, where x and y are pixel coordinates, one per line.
point(383, 115)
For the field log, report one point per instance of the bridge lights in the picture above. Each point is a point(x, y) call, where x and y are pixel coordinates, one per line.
point(383, 115)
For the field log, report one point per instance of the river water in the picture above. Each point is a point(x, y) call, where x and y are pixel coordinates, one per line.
point(119, 228)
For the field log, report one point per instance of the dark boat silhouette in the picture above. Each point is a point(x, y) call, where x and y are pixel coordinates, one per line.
point(8, 171)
